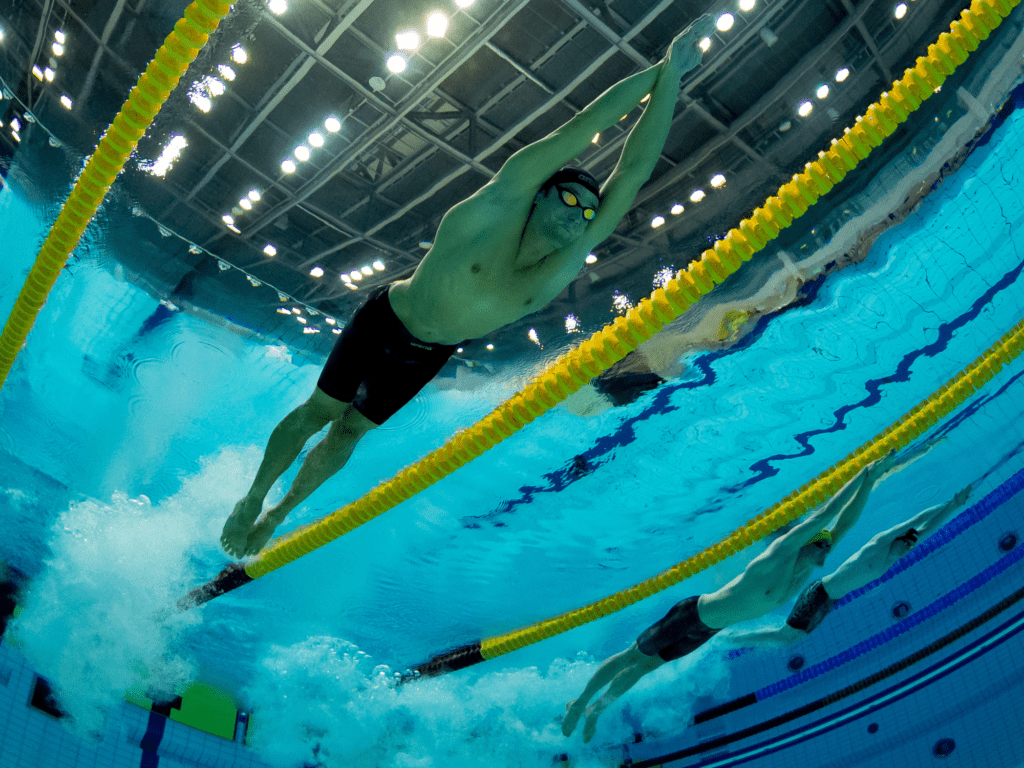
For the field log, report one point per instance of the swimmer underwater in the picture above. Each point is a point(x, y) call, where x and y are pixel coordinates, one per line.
point(502, 253)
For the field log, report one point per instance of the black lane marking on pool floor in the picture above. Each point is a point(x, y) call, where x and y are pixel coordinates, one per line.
point(603, 450)
point(881, 699)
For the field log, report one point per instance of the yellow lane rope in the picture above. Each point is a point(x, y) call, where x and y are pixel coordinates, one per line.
point(900, 434)
point(609, 345)
point(153, 89)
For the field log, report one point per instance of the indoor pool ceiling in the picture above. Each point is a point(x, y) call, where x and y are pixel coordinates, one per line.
point(506, 73)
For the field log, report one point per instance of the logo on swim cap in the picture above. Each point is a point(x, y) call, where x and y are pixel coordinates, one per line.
point(823, 535)
point(574, 175)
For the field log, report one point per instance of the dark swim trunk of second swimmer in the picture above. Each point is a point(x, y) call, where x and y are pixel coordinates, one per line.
point(376, 364)
point(680, 632)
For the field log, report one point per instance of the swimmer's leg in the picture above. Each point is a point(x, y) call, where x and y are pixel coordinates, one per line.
point(284, 446)
point(621, 683)
point(608, 671)
point(325, 459)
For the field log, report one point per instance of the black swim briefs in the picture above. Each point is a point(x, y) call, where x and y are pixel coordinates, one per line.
point(679, 633)
point(376, 364)
point(811, 607)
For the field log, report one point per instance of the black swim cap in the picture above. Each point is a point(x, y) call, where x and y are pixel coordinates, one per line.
point(574, 175)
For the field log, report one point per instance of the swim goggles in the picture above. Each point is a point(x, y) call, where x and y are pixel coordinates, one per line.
point(573, 202)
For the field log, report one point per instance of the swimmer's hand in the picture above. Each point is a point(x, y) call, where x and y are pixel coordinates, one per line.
point(261, 533)
point(685, 53)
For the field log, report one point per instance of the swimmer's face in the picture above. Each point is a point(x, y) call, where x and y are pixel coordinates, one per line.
point(563, 210)
point(817, 552)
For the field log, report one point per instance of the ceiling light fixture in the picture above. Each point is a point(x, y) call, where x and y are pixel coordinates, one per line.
point(277, 6)
point(255, 196)
point(270, 250)
point(805, 109)
point(697, 195)
point(396, 63)
point(657, 221)
point(408, 40)
point(437, 24)
point(677, 209)
point(367, 271)
point(378, 265)
point(718, 180)
point(332, 124)
point(842, 74)
point(316, 139)
point(316, 272)
point(302, 153)
point(725, 22)
point(288, 166)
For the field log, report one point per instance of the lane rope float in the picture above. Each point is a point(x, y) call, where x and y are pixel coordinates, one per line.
point(609, 345)
point(154, 87)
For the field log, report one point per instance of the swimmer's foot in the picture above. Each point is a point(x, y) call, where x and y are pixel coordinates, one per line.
point(238, 526)
point(261, 533)
point(573, 710)
point(590, 725)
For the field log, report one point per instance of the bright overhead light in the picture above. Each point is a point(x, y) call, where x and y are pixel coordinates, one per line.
point(842, 74)
point(48, 74)
point(396, 63)
point(356, 275)
point(718, 180)
point(37, 72)
point(302, 153)
point(354, 287)
point(657, 221)
point(228, 219)
point(245, 204)
point(58, 35)
point(254, 195)
point(379, 266)
point(464, 3)
point(316, 139)
point(805, 109)
point(697, 195)
point(725, 22)
point(226, 72)
point(277, 6)
point(591, 258)
point(238, 55)
point(316, 272)
point(490, 346)
point(437, 24)
point(58, 49)
point(407, 41)
point(270, 250)
point(345, 277)
point(214, 86)
point(822, 92)
point(705, 44)
point(367, 271)
point(747, 5)
point(332, 124)
point(288, 166)
point(594, 140)
point(901, 10)
point(677, 209)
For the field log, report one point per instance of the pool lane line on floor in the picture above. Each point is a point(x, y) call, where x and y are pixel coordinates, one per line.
point(940, 669)
point(616, 340)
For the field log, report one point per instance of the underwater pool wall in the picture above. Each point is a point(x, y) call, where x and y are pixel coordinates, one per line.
point(132, 737)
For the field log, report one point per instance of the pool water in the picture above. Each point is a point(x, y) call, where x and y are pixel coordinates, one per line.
point(128, 433)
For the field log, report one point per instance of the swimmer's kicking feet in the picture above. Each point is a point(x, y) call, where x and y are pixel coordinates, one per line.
point(504, 252)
